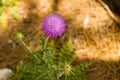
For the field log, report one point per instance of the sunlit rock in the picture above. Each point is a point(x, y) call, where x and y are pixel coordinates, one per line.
point(5, 73)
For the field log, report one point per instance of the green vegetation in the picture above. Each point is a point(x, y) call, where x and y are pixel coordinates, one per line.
point(7, 6)
point(47, 64)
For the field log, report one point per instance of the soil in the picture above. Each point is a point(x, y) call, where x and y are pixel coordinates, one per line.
point(90, 29)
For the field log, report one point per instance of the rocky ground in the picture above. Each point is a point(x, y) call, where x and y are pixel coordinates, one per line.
point(90, 29)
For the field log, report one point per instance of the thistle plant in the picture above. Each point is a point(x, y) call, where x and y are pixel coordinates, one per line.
point(49, 64)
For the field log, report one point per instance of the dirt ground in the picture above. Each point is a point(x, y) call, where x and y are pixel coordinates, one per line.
point(90, 29)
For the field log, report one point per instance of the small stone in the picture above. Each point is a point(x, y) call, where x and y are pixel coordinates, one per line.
point(5, 74)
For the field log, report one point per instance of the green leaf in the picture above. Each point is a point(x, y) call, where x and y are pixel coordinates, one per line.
point(85, 66)
point(42, 43)
point(65, 54)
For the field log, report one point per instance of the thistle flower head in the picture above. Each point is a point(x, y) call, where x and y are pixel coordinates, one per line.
point(53, 25)
point(67, 69)
point(19, 36)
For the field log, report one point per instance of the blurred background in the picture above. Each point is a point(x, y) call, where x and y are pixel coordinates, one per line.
point(92, 27)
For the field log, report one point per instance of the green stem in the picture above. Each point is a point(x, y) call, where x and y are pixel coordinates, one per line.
point(24, 44)
point(46, 42)
point(45, 47)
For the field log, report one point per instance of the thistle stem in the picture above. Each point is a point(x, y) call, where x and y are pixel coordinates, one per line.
point(24, 44)
point(46, 42)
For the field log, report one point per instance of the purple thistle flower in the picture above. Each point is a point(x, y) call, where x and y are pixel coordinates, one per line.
point(53, 25)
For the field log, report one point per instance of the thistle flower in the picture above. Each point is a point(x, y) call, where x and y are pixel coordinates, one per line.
point(67, 69)
point(53, 25)
point(19, 36)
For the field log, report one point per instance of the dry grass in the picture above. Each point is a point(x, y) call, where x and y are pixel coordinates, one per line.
point(96, 40)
